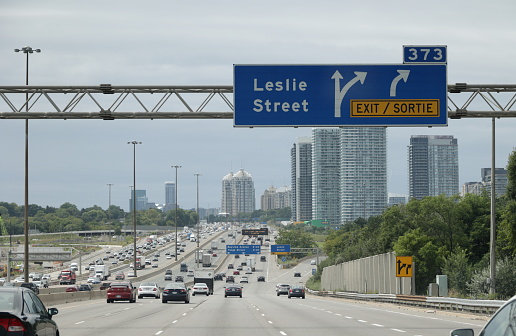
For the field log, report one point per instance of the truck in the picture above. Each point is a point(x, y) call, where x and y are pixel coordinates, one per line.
point(206, 260)
point(214, 245)
point(205, 276)
point(102, 272)
point(140, 262)
point(192, 237)
point(67, 277)
point(251, 263)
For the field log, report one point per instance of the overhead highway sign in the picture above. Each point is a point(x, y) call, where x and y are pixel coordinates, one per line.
point(340, 95)
point(242, 249)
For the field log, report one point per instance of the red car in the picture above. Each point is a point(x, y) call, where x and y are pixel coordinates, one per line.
point(236, 272)
point(74, 288)
point(121, 291)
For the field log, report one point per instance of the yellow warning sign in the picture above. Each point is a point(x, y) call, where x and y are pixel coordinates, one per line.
point(404, 267)
point(394, 108)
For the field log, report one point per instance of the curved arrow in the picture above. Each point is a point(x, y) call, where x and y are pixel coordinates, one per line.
point(339, 94)
point(403, 74)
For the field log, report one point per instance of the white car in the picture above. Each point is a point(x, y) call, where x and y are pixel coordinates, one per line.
point(190, 273)
point(244, 279)
point(201, 288)
point(149, 289)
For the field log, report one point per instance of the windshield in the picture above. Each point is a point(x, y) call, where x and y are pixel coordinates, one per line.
point(503, 323)
point(6, 301)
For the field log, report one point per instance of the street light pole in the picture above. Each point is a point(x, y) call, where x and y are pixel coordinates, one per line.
point(175, 252)
point(26, 50)
point(198, 218)
point(134, 143)
point(109, 206)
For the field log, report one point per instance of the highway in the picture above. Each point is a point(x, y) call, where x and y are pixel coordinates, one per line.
point(259, 312)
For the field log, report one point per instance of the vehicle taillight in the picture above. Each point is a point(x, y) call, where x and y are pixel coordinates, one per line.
point(12, 324)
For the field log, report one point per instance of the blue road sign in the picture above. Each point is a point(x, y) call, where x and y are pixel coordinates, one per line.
point(280, 249)
point(424, 54)
point(340, 95)
point(242, 249)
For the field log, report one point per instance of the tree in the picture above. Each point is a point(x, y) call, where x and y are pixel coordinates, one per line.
point(511, 175)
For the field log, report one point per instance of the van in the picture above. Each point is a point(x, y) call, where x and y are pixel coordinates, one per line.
point(183, 267)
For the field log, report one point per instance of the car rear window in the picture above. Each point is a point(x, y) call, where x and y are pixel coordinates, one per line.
point(6, 301)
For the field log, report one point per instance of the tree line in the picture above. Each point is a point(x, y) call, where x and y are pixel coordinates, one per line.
point(444, 235)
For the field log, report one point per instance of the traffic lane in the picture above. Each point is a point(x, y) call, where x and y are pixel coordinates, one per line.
point(220, 316)
point(145, 317)
point(334, 317)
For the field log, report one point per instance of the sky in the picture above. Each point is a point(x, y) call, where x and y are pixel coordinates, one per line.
point(197, 43)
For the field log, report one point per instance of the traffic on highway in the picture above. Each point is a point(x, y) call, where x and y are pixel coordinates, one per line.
point(209, 292)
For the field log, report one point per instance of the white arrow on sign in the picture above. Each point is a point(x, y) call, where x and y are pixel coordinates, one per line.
point(403, 74)
point(339, 94)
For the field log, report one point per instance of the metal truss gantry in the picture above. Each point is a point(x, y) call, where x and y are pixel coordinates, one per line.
point(110, 102)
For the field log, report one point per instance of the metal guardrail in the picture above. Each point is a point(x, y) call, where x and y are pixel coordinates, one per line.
point(440, 303)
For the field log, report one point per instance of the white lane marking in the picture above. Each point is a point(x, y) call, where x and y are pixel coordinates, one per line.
point(363, 321)
point(184, 314)
point(283, 333)
point(80, 322)
point(270, 322)
point(263, 314)
point(348, 317)
point(337, 314)
point(398, 330)
point(175, 321)
point(159, 332)
point(377, 325)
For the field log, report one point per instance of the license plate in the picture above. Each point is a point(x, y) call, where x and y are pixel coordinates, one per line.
point(174, 292)
point(119, 296)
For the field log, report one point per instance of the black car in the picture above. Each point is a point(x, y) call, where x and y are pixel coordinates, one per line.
point(297, 274)
point(218, 276)
point(261, 278)
point(31, 285)
point(104, 285)
point(296, 291)
point(233, 290)
point(85, 287)
point(230, 278)
point(175, 291)
point(179, 278)
point(23, 313)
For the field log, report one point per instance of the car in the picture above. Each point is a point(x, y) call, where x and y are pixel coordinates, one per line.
point(155, 265)
point(237, 256)
point(114, 262)
point(214, 255)
point(23, 313)
point(249, 270)
point(149, 289)
point(244, 279)
point(169, 257)
point(282, 289)
point(94, 280)
point(240, 268)
point(73, 288)
point(190, 273)
point(233, 290)
point(104, 285)
point(297, 274)
point(312, 262)
point(230, 278)
point(501, 323)
point(175, 291)
point(183, 267)
point(85, 287)
point(218, 276)
point(263, 258)
point(31, 285)
point(296, 291)
point(120, 276)
point(260, 278)
point(19, 279)
point(200, 288)
point(121, 291)
point(131, 274)
point(168, 277)
point(230, 266)
point(237, 272)
point(179, 278)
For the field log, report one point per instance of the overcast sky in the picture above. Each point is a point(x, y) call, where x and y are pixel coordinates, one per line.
point(195, 43)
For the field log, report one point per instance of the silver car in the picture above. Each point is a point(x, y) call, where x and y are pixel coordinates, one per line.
point(147, 289)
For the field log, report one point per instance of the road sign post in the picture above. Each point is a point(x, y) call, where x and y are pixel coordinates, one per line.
point(340, 95)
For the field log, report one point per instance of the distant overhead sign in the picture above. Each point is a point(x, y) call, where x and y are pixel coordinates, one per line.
point(243, 249)
point(255, 232)
point(280, 249)
point(340, 95)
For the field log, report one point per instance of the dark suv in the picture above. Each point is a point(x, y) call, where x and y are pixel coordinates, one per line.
point(31, 285)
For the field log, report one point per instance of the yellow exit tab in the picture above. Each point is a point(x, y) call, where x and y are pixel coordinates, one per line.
point(394, 108)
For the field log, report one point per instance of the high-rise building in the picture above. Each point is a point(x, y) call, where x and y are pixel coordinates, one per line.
point(326, 175)
point(141, 200)
point(238, 194)
point(501, 183)
point(170, 196)
point(275, 198)
point(363, 172)
point(433, 166)
point(301, 173)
